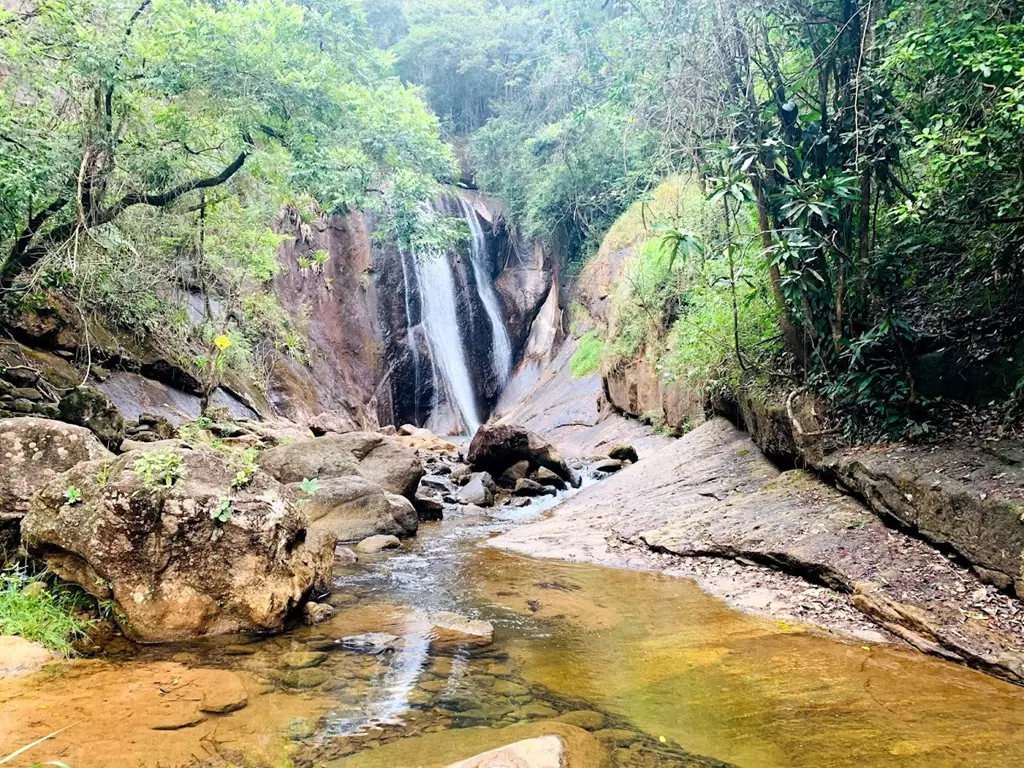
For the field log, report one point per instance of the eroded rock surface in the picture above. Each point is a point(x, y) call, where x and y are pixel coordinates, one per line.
point(352, 508)
point(154, 532)
point(32, 452)
point(19, 657)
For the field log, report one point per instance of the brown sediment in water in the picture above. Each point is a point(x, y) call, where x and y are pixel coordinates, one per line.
point(752, 691)
point(145, 715)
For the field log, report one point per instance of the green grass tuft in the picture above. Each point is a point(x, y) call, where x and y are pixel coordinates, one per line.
point(587, 358)
point(40, 612)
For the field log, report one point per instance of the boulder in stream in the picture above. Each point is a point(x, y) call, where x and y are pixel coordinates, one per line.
point(352, 508)
point(479, 490)
point(452, 632)
point(624, 452)
point(374, 544)
point(527, 487)
point(379, 458)
point(496, 447)
point(180, 550)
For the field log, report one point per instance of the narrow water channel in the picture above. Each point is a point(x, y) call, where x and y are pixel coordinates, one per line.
point(661, 673)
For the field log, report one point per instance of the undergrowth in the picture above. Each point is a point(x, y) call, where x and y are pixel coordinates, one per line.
point(33, 608)
point(587, 358)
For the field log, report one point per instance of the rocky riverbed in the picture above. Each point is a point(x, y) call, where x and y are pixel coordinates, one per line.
point(437, 650)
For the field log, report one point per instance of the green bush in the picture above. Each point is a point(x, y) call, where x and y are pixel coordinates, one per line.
point(41, 612)
point(587, 358)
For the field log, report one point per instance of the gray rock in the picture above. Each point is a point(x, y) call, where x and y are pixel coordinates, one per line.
point(624, 452)
point(516, 472)
point(376, 457)
point(374, 544)
point(316, 613)
point(496, 447)
point(479, 490)
point(607, 466)
point(353, 508)
point(90, 408)
point(372, 642)
point(545, 476)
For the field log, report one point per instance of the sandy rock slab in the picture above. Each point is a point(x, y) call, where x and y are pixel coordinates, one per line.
point(20, 657)
point(542, 752)
point(149, 715)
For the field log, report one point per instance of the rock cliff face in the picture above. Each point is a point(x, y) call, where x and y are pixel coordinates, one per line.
point(390, 337)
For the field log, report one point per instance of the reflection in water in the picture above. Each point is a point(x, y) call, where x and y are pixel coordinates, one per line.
point(388, 696)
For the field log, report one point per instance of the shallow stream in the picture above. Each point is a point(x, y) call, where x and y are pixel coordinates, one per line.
point(661, 673)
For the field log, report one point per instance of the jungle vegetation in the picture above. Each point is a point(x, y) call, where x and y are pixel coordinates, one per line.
point(854, 169)
point(862, 163)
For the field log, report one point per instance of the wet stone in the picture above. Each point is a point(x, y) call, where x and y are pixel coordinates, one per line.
point(305, 678)
point(239, 650)
point(584, 718)
point(536, 710)
point(175, 721)
point(371, 642)
point(615, 736)
point(324, 645)
point(302, 659)
point(508, 688)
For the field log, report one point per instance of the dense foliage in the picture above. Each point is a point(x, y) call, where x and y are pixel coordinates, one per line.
point(147, 147)
point(874, 147)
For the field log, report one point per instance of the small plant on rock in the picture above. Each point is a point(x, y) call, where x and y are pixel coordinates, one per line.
point(245, 475)
point(73, 496)
point(159, 470)
point(310, 487)
point(222, 512)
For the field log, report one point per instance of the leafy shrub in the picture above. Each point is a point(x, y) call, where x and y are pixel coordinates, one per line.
point(587, 358)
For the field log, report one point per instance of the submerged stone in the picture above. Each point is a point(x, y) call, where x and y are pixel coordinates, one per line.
point(371, 642)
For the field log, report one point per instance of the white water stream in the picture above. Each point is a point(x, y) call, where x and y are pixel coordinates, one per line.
point(501, 347)
point(441, 320)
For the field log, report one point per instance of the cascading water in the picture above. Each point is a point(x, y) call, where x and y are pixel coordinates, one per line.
point(410, 334)
point(501, 346)
point(441, 321)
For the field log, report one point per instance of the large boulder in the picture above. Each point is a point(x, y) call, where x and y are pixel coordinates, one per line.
point(496, 447)
point(382, 459)
point(178, 548)
point(90, 408)
point(353, 508)
point(32, 452)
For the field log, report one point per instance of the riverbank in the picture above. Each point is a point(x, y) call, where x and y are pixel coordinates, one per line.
point(782, 544)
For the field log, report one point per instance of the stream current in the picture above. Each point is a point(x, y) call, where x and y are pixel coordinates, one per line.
point(661, 673)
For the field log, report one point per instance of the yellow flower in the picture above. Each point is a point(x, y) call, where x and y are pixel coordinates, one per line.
point(222, 342)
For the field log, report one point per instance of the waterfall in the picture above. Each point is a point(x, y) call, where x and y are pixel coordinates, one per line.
point(501, 347)
point(410, 335)
point(441, 320)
